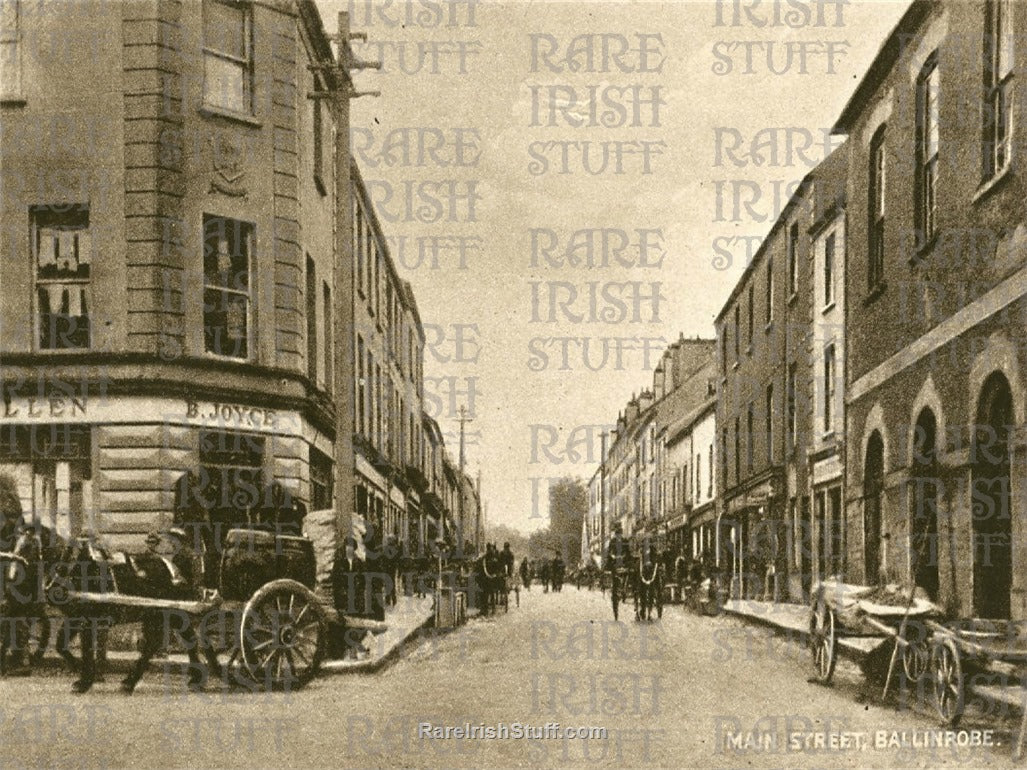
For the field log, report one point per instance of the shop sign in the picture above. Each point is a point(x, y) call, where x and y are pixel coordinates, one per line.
point(54, 407)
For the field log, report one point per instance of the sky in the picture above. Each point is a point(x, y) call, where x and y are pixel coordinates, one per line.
point(571, 186)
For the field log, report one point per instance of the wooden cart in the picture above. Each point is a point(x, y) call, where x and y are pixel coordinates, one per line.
point(844, 610)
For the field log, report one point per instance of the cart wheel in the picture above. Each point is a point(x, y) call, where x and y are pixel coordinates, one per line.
point(822, 644)
point(282, 635)
point(915, 659)
point(948, 682)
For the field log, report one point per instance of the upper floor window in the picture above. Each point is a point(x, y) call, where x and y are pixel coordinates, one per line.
point(770, 424)
point(228, 56)
point(709, 489)
point(750, 438)
point(829, 375)
point(752, 303)
point(927, 149)
point(318, 143)
point(875, 239)
point(311, 289)
point(227, 249)
point(829, 270)
point(738, 328)
point(792, 407)
point(793, 258)
point(63, 254)
point(998, 78)
point(769, 313)
point(328, 335)
point(10, 49)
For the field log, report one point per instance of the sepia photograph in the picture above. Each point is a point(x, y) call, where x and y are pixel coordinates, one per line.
point(513, 384)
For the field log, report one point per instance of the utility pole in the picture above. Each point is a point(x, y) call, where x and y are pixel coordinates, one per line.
point(337, 81)
point(602, 493)
point(464, 419)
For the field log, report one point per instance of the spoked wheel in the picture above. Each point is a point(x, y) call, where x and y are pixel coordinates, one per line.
point(822, 644)
point(915, 659)
point(947, 672)
point(282, 635)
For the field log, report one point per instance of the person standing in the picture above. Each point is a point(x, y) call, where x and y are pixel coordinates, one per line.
point(544, 574)
point(526, 573)
point(617, 557)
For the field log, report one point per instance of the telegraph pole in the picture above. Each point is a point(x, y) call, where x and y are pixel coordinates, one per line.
point(602, 493)
point(337, 81)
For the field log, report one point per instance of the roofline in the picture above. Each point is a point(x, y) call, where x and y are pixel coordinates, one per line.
point(882, 64)
point(793, 202)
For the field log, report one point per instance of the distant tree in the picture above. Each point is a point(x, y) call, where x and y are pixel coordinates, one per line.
point(568, 504)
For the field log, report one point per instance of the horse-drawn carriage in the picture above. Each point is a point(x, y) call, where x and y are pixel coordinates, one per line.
point(245, 588)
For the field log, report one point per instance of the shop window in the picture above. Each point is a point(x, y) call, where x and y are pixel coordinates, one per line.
point(63, 256)
point(321, 480)
point(233, 475)
point(227, 251)
point(52, 470)
point(228, 56)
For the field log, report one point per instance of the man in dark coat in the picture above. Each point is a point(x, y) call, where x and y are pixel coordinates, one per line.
point(615, 561)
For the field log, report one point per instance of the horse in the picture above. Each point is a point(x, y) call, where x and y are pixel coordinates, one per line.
point(85, 567)
point(648, 583)
point(488, 574)
point(26, 631)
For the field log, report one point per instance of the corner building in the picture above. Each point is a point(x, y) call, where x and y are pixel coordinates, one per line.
point(169, 258)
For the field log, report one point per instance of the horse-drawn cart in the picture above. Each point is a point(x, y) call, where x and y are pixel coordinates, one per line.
point(264, 613)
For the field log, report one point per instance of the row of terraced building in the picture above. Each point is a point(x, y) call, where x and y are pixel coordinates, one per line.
point(866, 388)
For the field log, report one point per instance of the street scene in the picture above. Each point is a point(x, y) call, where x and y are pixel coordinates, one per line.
point(494, 383)
point(669, 694)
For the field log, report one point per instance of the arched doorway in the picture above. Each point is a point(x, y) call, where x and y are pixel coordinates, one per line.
point(873, 498)
point(989, 499)
point(923, 515)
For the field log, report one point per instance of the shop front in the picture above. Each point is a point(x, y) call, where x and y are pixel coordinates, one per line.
point(108, 465)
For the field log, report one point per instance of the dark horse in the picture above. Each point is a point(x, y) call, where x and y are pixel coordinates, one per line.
point(86, 568)
point(647, 574)
point(488, 575)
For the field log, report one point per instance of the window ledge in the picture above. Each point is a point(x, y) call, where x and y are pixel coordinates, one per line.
point(874, 293)
point(13, 101)
point(989, 186)
point(828, 307)
point(239, 117)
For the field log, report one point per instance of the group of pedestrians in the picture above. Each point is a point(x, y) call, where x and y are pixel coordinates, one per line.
point(549, 572)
